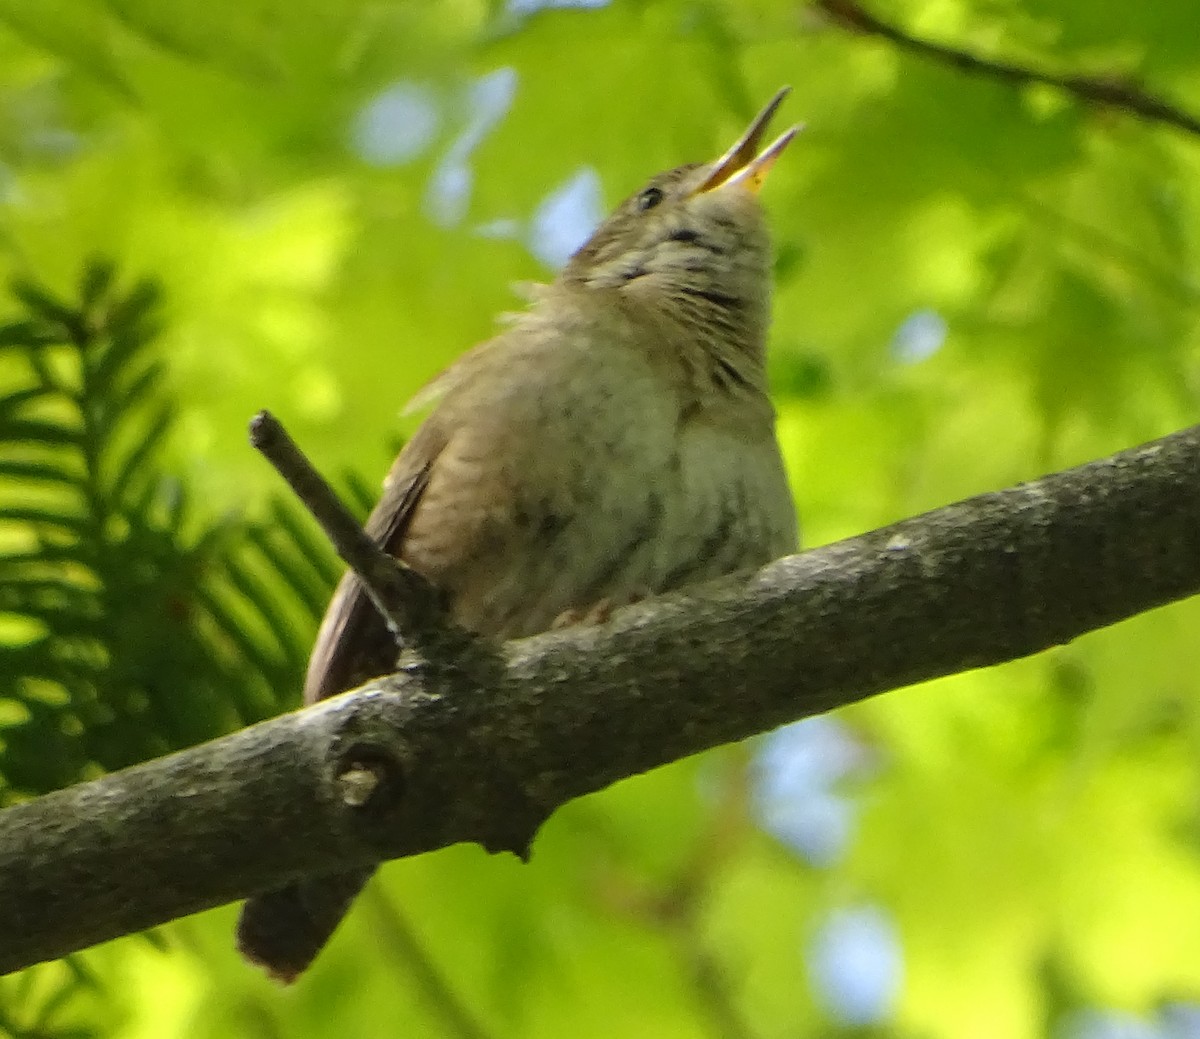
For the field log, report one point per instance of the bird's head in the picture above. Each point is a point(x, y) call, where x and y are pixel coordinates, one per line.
point(693, 241)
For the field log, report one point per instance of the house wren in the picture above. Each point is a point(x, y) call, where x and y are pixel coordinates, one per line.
point(615, 440)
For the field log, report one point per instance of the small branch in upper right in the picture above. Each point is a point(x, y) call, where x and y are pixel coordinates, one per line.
point(1109, 92)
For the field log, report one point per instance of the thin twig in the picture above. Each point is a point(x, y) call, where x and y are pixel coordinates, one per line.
point(395, 928)
point(405, 599)
point(677, 906)
point(726, 832)
point(710, 979)
point(1112, 93)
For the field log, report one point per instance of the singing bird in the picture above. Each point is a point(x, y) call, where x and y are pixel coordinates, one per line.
point(614, 441)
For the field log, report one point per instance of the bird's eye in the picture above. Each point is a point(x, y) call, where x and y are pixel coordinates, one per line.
point(649, 198)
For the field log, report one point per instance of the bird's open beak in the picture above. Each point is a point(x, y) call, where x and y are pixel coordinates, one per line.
point(743, 164)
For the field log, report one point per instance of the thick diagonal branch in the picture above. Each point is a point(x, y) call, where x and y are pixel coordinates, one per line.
point(484, 749)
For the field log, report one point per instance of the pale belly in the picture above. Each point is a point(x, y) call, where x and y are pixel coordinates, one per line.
point(602, 494)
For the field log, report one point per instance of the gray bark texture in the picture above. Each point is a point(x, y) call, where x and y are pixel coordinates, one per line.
point(484, 742)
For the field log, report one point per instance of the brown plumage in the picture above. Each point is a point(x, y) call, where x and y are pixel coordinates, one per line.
point(615, 440)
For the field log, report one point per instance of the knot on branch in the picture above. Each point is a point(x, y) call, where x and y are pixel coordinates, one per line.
point(370, 777)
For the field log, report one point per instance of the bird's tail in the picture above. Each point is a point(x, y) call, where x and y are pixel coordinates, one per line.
point(282, 931)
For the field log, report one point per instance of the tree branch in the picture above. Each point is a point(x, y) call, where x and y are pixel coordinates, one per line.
point(484, 748)
point(1111, 93)
point(409, 603)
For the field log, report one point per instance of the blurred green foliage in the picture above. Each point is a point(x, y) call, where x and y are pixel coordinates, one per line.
point(1032, 829)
